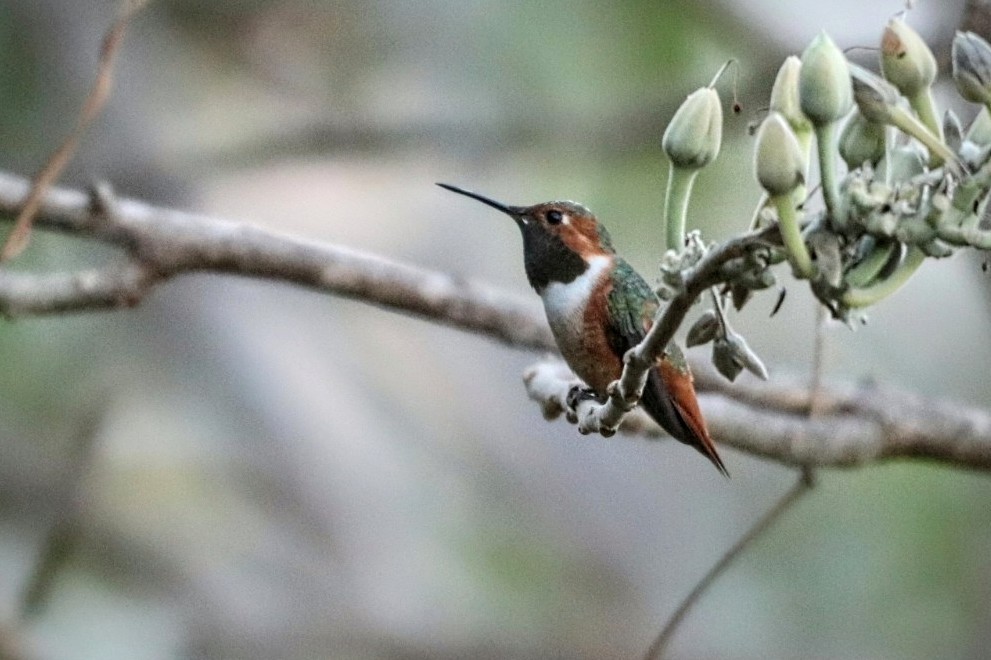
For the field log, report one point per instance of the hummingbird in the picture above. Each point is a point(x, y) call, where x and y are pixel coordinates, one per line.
point(598, 308)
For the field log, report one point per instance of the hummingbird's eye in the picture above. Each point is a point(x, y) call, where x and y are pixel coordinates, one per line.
point(554, 217)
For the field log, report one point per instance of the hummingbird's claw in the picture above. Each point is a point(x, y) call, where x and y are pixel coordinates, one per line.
point(579, 393)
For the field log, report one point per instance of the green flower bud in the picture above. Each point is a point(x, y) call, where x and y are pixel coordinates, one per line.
point(876, 98)
point(861, 141)
point(784, 95)
point(906, 60)
point(824, 82)
point(693, 137)
point(976, 143)
point(778, 161)
point(979, 131)
point(972, 67)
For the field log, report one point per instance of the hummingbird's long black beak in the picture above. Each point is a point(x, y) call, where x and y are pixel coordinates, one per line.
point(512, 211)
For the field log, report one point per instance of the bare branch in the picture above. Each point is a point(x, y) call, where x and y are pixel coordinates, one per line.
point(856, 425)
point(162, 243)
point(24, 294)
point(853, 426)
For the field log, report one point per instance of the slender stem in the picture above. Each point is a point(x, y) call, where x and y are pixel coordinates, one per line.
point(925, 108)
point(826, 150)
point(761, 203)
point(804, 137)
point(680, 181)
point(866, 296)
point(889, 148)
point(910, 125)
point(722, 69)
point(791, 235)
point(865, 272)
point(717, 304)
point(805, 482)
point(818, 362)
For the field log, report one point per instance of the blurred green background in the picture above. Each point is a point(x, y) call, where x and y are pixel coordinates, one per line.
point(241, 469)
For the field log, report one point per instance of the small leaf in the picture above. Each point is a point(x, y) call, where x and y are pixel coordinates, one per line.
point(724, 359)
point(731, 355)
point(704, 329)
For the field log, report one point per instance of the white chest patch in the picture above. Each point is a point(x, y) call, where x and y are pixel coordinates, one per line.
point(565, 303)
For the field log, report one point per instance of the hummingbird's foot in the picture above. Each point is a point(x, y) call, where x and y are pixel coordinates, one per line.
point(580, 393)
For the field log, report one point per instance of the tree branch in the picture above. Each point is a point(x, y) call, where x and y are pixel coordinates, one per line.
point(854, 426)
point(857, 425)
point(163, 243)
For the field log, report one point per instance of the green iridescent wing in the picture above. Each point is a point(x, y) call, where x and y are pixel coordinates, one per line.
point(632, 303)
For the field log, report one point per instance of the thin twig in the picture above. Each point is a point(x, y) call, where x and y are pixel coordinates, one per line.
point(805, 482)
point(162, 243)
point(803, 485)
point(818, 361)
point(18, 238)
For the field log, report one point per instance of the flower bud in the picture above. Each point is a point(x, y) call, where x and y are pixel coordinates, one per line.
point(731, 355)
point(861, 141)
point(704, 329)
point(906, 61)
point(878, 102)
point(875, 96)
point(778, 161)
point(693, 137)
point(746, 355)
point(824, 82)
point(979, 131)
point(971, 57)
point(784, 95)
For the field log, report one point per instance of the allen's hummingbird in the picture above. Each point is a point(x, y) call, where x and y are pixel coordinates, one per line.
point(599, 308)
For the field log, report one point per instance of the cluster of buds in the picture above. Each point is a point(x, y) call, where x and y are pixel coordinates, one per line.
point(913, 185)
point(899, 181)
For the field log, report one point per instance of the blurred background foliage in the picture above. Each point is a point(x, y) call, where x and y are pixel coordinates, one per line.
point(243, 470)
